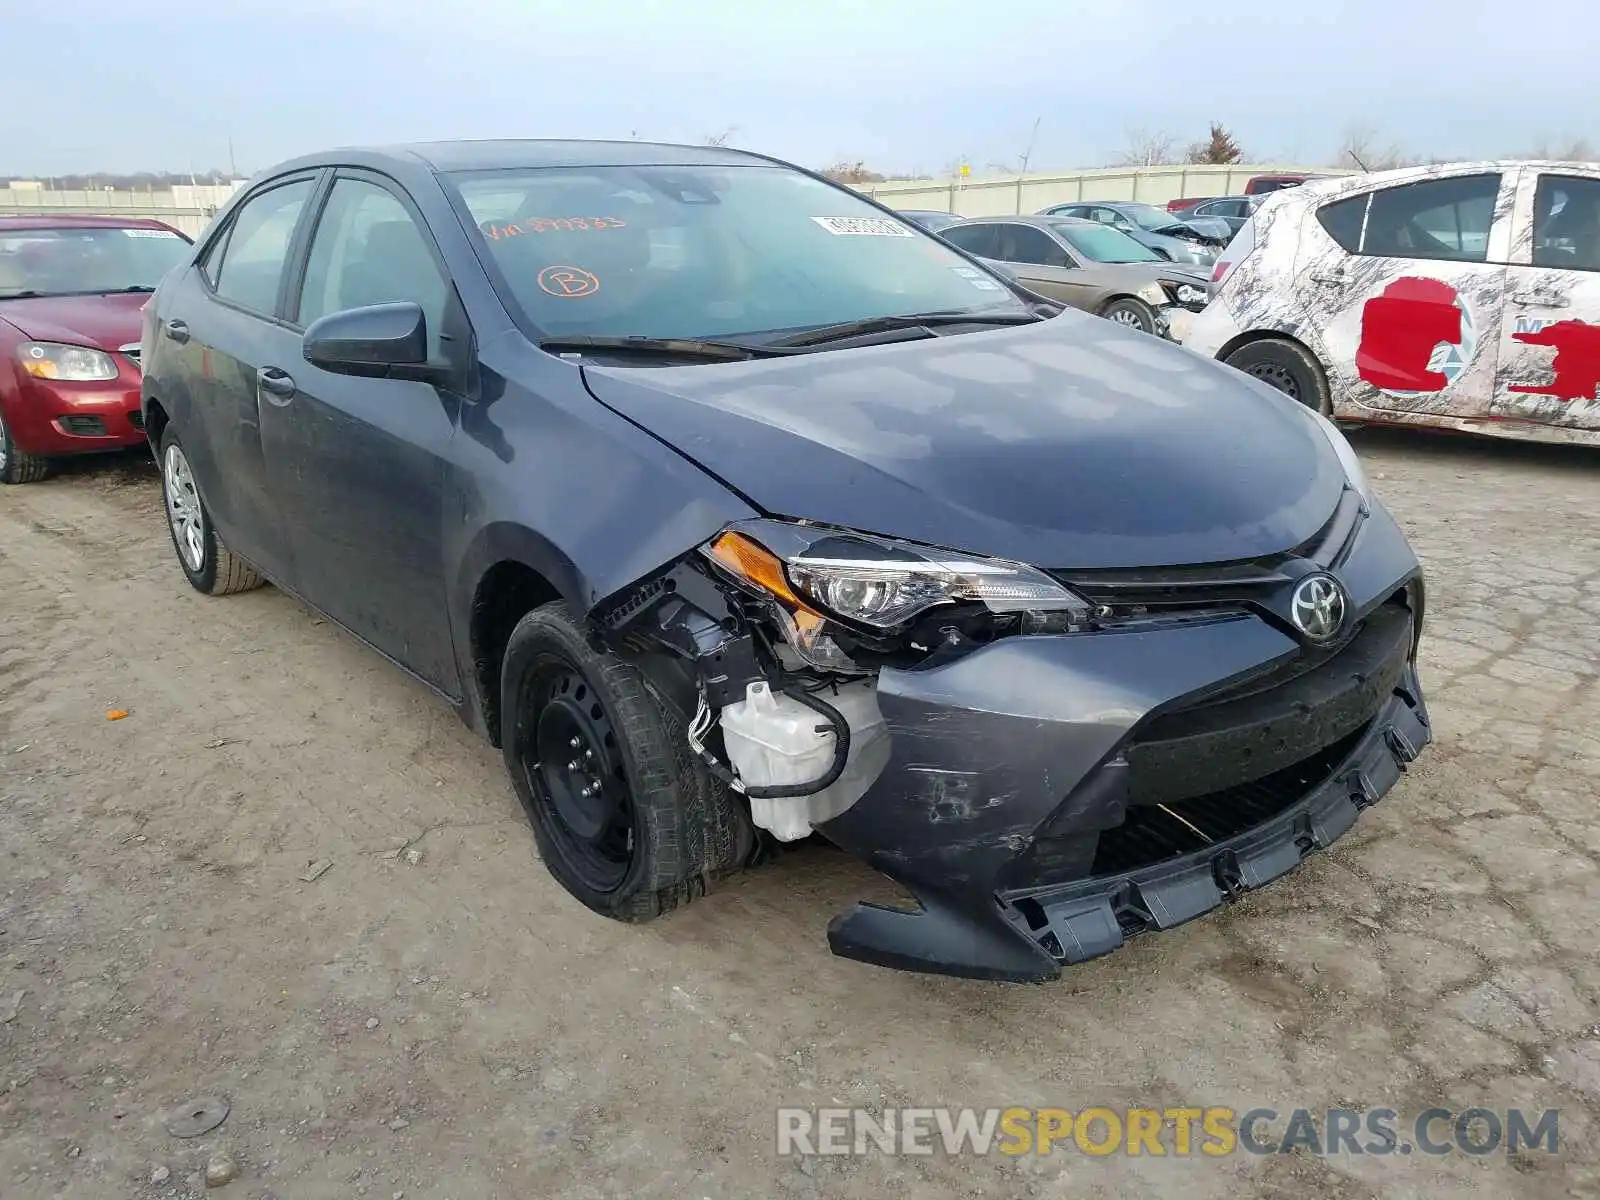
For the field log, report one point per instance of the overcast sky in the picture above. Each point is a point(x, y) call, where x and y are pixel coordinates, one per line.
point(164, 84)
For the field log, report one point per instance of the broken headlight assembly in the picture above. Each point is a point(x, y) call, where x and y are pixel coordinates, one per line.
point(848, 602)
point(1185, 293)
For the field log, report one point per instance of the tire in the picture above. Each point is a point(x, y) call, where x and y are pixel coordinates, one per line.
point(665, 825)
point(16, 464)
point(1289, 367)
point(209, 565)
point(1134, 314)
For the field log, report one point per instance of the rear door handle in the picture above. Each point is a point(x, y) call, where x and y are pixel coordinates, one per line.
point(178, 331)
point(1533, 300)
point(1335, 277)
point(277, 384)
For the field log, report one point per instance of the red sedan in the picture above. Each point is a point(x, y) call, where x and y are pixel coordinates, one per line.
point(71, 291)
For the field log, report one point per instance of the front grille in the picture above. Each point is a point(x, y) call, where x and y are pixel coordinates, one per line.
point(130, 352)
point(1265, 723)
point(80, 426)
point(1153, 833)
point(1171, 592)
point(136, 419)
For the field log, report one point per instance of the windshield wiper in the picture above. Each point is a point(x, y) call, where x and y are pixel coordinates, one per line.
point(136, 287)
point(25, 294)
point(706, 348)
point(909, 321)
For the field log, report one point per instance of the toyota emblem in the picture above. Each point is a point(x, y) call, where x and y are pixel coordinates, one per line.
point(1317, 608)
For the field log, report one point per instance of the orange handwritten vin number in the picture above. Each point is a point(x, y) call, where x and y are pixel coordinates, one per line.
point(549, 224)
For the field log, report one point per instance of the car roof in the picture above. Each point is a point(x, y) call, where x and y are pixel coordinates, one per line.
point(1043, 220)
point(74, 221)
point(1334, 185)
point(513, 153)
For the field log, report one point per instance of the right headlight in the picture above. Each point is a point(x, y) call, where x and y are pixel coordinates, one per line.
point(1186, 293)
point(878, 587)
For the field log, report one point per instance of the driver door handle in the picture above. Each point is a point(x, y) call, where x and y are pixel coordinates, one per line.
point(277, 384)
point(178, 331)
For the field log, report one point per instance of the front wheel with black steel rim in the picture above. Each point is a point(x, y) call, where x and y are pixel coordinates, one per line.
point(1131, 314)
point(209, 565)
point(626, 816)
point(16, 464)
point(1290, 368)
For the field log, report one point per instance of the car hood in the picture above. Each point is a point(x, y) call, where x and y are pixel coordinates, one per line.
point(1199, 247)
point(1069, 443)
point(1109, 275)
point(1146, 271)
point(106, 322)
point(1209, 227)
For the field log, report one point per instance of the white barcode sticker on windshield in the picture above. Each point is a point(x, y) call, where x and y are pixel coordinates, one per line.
point(149, 233)
point(863, 227)
point(977, 279)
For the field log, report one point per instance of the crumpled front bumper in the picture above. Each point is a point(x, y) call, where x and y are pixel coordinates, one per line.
point(1024, 775)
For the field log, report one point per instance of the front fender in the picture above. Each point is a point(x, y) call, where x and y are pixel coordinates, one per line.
point(546, 476)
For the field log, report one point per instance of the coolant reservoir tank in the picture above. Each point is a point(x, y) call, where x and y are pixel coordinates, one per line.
point(774, 740)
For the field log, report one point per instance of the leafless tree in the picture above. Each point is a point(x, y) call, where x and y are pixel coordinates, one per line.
point(1364, 148)
point(721, 139)
point(852, 173)
point(1147, 149)
point(1220, 147)
point(1019, 166)
point(1563, 149)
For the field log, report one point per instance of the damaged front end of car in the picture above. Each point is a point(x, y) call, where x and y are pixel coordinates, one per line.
point(1050, 761)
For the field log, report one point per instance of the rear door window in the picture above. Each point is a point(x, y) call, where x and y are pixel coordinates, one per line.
point(1437, 219)
point(1025, 244)
point(257, 249)
point(974, 239)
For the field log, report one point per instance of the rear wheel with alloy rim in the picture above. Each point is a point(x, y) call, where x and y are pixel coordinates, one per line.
point(1290, 368)
point(627, 818)
point(209, 565)
point(1130, 313)
point(16, 464)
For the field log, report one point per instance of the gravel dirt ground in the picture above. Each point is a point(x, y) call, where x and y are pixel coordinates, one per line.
point(432, 1016)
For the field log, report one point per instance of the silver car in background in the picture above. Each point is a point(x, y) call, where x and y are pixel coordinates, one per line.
point(1179, 239)
point(1087, 265)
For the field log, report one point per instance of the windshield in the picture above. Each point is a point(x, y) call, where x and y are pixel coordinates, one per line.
point(1147, 216)
point(57, 262)
point(709, 252)
point(1101, 243)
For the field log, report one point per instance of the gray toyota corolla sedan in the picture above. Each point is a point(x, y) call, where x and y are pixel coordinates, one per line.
point(735, 509)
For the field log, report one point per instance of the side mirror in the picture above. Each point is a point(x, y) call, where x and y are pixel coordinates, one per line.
point(384, 340)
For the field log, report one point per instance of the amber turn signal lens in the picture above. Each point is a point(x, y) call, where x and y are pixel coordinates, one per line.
point(752, 562)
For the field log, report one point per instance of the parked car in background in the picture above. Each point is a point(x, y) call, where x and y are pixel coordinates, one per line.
point(1177, 240)
point(70, 293)
point(1231, 210)
point(1088, 265)
point(930, 219)
point(1260, 185)
point(1463, 297)
point(1183, 203)
point(818, 524)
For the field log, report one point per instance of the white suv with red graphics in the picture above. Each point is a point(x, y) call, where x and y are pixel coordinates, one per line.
point(1465, 297)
